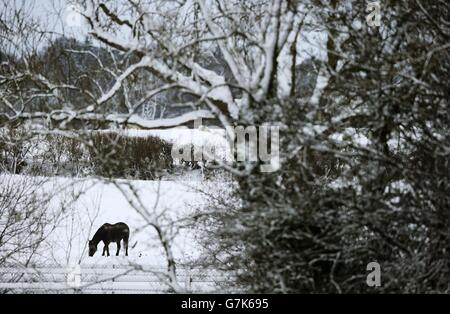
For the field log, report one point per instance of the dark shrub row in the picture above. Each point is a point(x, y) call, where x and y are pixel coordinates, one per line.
point(100, 154)
point(117, 156)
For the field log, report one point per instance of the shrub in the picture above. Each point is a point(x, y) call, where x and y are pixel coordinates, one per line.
point(103, 154)
point(16, 145)
point(116, 156)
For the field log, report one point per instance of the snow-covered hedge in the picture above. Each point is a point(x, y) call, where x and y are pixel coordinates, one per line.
point(99, 154)
point(117, 156)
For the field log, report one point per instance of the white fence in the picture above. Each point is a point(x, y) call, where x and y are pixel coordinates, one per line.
point(108, 279)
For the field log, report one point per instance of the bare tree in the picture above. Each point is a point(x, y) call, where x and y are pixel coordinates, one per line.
point(25, 221)
point(160, 221)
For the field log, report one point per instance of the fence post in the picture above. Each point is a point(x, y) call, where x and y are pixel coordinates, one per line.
point(188, 284)
point(74, 277)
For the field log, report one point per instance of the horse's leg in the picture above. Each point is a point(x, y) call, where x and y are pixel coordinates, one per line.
point(107, 249)
point(125, 243)
point(104, 250)
point(118, 248)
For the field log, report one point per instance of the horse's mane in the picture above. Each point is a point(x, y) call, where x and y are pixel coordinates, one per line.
point(97, 236)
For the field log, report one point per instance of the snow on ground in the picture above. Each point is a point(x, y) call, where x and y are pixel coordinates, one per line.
point(87, 203)
point(102, 202)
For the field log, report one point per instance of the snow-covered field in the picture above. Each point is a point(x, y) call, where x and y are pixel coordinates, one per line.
point(88, 203)
point(102, 202)
point(79, 206)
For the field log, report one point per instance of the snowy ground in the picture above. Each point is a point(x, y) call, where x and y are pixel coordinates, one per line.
point(105, 203)
point(97, 202)
point(84, 204)
point(101, 202)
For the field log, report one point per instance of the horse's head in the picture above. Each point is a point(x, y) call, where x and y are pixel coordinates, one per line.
point(92, 248)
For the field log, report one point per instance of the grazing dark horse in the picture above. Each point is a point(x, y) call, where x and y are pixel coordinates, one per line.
point(110, 233)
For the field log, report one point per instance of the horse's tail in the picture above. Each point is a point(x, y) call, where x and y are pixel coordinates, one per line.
point(126, 233)
point(126, 236)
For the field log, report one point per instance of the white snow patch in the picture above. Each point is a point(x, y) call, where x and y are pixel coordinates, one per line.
point(102, 202)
